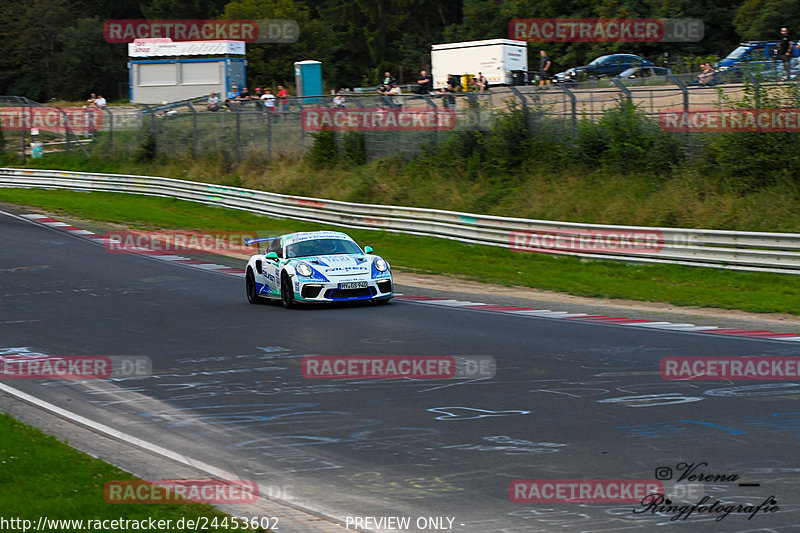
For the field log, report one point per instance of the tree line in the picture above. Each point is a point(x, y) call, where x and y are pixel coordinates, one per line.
point(55, 49)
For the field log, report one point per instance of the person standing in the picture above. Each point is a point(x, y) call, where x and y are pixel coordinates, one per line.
point(544, 68)
point(481, 82)
point(785, 50)
point(283, 98)
point(269, 100)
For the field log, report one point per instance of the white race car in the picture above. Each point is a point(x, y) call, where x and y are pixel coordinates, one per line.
point(316, 267)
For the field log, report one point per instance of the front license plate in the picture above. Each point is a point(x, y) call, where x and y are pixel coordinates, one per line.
point(353, 285)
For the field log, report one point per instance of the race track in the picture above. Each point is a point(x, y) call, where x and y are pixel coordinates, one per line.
point(570, 400)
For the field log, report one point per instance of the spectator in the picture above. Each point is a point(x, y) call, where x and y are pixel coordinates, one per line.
point(91, 100)
point(283, 98)
point(386, 86)
point(269, 100)
point(233, 94)
point(100, 102)
point(785, 50)
point(213, 102)
point(448, 98)
point(244, 94)
point(424, 83)
point(259, 93)
point(544, 68)
point(338, 100)
point(707, 74)
point(482, 82)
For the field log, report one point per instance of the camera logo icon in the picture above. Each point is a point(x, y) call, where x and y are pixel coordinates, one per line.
point(663, 473)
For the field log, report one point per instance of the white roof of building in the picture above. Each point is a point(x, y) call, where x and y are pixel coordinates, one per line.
point(168, 47)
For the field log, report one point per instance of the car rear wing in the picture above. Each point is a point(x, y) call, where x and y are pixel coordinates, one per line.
point(258, 240)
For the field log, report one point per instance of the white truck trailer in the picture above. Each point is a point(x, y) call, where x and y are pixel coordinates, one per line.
point(495, 58)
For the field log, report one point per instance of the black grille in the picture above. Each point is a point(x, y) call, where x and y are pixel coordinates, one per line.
point(310, 291)
point(385, 285)
point(334, 294)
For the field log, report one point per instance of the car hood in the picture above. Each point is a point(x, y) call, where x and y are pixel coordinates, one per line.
point(339, 264)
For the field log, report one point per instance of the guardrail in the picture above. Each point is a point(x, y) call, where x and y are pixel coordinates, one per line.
point(753, 251)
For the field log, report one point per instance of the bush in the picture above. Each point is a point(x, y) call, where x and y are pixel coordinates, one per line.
point(323, 152)
point(147, 151)
point(354, 152)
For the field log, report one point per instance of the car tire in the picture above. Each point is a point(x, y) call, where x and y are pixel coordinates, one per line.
point(287, 293)
point(250, 288)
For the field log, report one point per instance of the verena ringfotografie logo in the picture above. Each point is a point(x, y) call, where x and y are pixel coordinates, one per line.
point(181, 491)
point(582, 490)
point(587, 241)
point(249, 31)
point(730, 368)
point(727, 120)
point(620, 30)
point(377, 119)
point(397, 367)
point(176, 241)
point(55, 119)
point(75, 367)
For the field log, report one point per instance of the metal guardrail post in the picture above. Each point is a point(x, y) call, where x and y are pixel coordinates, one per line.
point(756, 87)
point(684, 89)
point(269, 134)
point(573, 108)
point(621, 87)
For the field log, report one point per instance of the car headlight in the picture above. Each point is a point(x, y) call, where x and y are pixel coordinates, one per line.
point(381, 265)
point(304, 270)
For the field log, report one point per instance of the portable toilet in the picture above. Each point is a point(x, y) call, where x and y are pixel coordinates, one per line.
point(308, 79)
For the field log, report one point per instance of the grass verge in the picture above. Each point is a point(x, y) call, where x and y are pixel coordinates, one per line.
point(43, 477)
point(679, 285)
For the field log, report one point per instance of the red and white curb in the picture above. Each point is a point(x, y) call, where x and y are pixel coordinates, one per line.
point(461, 304)
point(584, 317)
point(164, 256)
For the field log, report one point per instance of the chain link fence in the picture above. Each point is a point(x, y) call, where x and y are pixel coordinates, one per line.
point(250, 130)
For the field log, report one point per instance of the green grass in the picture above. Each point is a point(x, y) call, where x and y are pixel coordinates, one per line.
point(679, 285)
point(41, 476)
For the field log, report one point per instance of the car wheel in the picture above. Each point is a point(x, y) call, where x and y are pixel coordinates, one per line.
point(250, 287)
point(287, 293)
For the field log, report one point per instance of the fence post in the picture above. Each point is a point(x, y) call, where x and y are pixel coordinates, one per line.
point(269, 134)
point(194, 127)
point(627, 92)
point(683, 88)
point(432, 104)
point(238, 137)
point(522, 98)
point(110, 130)
point(573, 108)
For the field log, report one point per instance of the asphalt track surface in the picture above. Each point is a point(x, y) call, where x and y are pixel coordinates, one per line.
point(569, 401)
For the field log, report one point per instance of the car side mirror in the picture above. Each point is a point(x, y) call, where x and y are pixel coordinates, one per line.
point(272, 256)
point(368, 249)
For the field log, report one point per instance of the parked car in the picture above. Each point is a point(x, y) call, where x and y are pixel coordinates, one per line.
point(603, 66)
point(758, 52)
point(643, 73)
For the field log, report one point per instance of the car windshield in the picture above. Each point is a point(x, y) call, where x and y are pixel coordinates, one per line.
point(600, 60)
point(738, 53)
point(322, 247)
